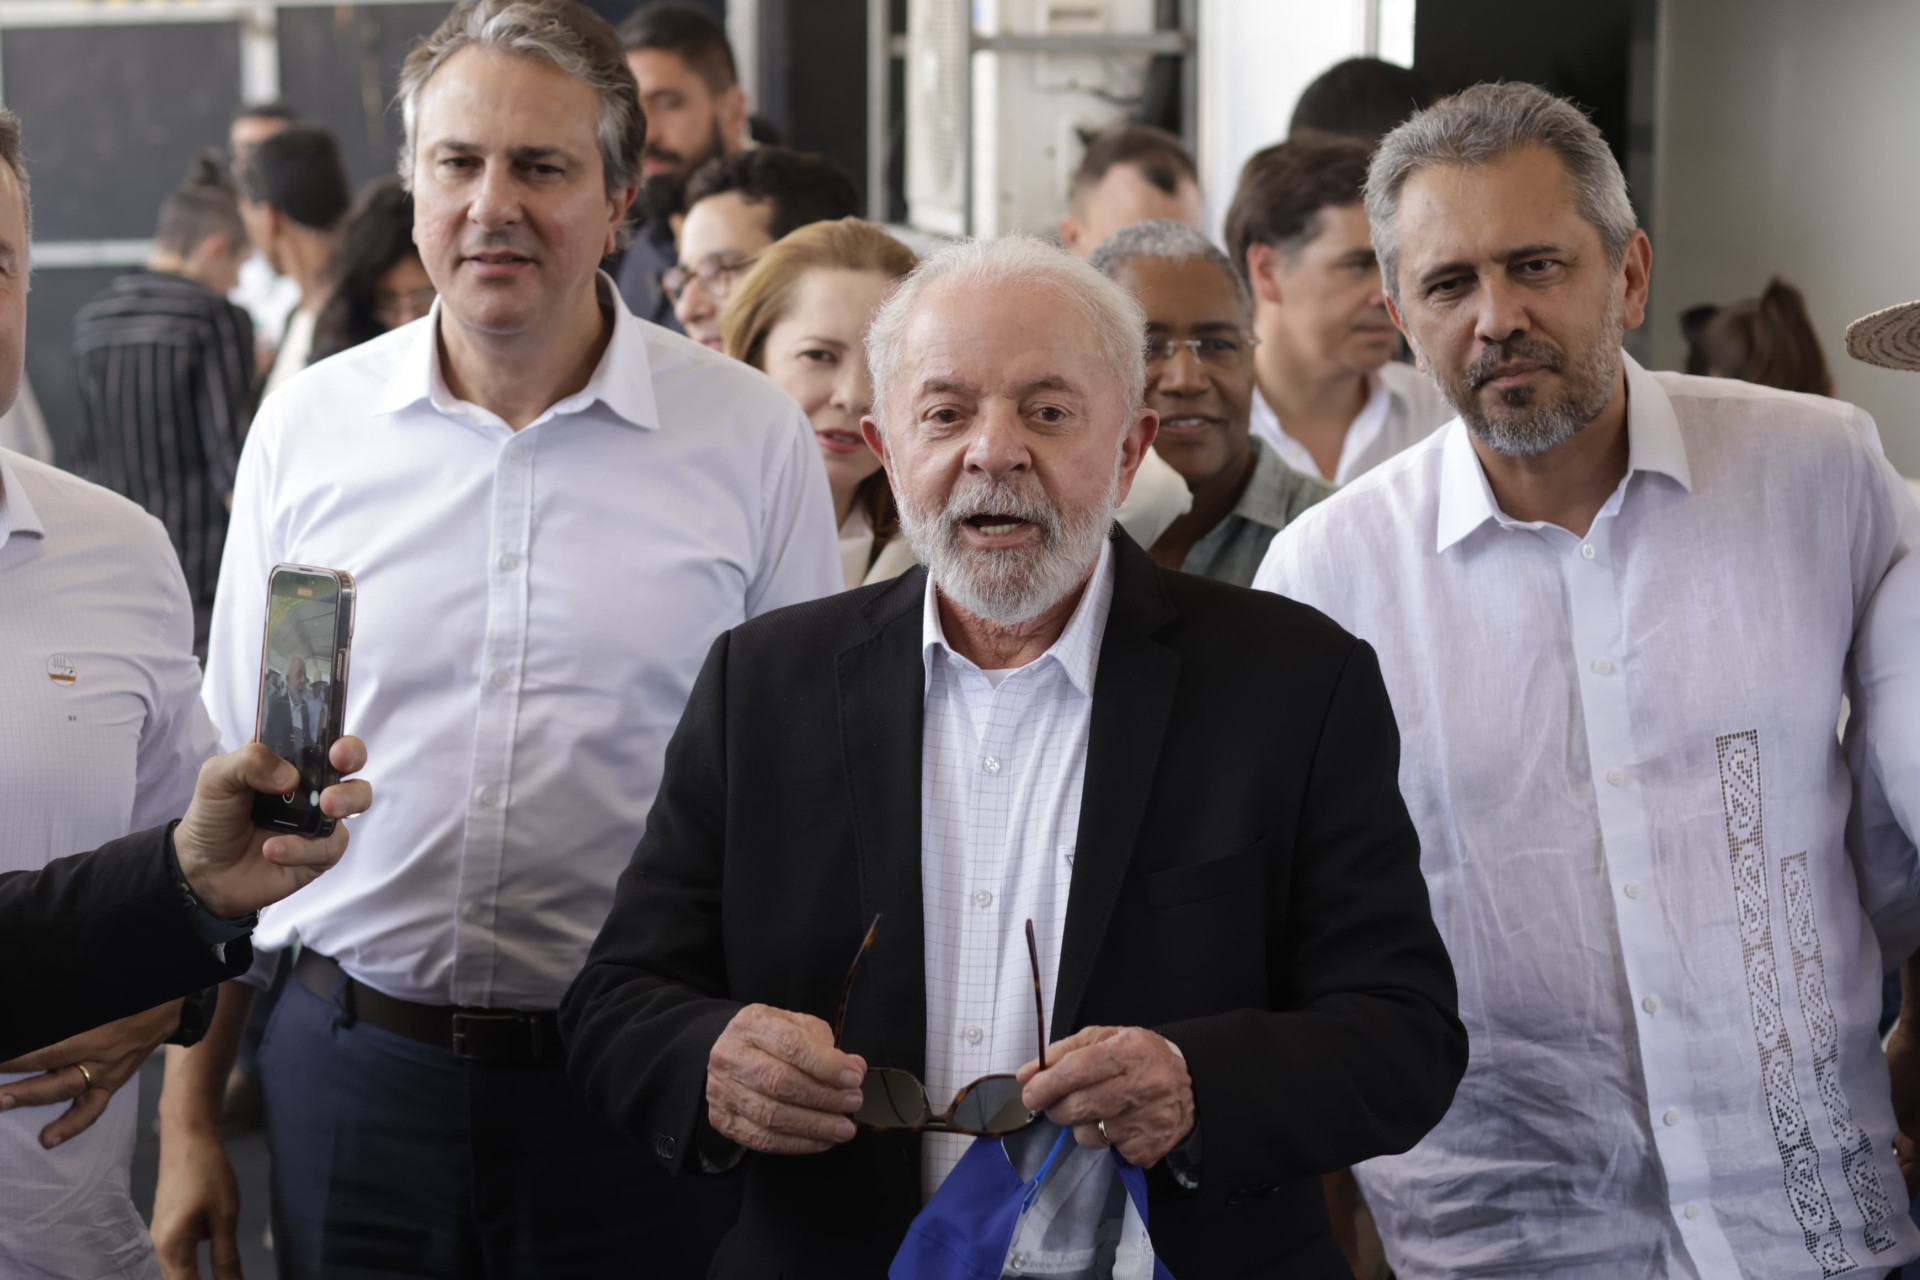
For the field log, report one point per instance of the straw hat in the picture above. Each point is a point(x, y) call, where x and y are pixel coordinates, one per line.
point(1889, 338)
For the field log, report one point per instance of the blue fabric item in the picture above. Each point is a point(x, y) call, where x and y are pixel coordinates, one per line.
point(970, 1226)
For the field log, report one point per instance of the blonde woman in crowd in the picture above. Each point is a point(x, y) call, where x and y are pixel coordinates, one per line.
point(801, 318)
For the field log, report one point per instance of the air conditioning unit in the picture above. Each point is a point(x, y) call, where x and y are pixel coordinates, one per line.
point(995, 129)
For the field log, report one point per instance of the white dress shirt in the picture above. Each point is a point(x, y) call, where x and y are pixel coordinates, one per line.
point(1003, 756)
point(101, 733)
point(1403, 408)
point(533, 608)
point(1620, 754)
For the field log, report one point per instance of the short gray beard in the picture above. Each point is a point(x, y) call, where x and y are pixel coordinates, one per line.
point(1522, 428)
point(1017, 585)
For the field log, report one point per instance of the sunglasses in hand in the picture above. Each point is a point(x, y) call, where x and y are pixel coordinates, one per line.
point(895, 1100)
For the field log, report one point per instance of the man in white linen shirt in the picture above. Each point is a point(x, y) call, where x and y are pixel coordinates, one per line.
point(1614, 610)
point(1329, 398)
point(551, 509)
point(101, 734)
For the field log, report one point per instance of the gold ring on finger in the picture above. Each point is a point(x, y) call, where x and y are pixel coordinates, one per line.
point(85, 1075)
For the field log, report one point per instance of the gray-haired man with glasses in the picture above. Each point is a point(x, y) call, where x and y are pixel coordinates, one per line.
point(1199, 348)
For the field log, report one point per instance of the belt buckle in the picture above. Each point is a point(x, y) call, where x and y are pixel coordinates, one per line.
point(470, 1040)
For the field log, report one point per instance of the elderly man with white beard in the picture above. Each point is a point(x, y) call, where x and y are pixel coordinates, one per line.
point(1185, 788)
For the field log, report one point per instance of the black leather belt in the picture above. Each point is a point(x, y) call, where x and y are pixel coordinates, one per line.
point(484, 1035)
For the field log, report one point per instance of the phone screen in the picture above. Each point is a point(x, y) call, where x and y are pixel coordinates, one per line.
point(299, 715)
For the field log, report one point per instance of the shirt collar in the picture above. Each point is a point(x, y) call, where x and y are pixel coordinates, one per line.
point(1653, 444)
point(1264, 501)
point(623, 380)
point(16, 509)
point(1077, 651)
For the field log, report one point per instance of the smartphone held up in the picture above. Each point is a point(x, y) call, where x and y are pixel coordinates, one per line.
point(303, 687)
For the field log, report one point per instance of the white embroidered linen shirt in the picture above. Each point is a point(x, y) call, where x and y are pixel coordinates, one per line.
point(1619, 750)
point(1003, 759)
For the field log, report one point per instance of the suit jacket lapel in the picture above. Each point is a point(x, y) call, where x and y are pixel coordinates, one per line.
point(882, 685)
point(1133, 690)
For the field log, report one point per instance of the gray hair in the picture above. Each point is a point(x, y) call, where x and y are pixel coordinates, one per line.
point(562, 32)
point(1170, 241)
point(1109, 312)
point(1480, 125)
point(13, 154)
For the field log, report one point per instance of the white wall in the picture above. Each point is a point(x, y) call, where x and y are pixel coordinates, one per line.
point(1787, 144)
point(1255, 58)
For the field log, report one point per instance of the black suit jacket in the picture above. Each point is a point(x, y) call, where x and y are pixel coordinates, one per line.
point(1246, 882)
point(278, 733)
point(95, 937)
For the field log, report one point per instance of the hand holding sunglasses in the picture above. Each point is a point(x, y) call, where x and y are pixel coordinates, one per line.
point(776, 1083)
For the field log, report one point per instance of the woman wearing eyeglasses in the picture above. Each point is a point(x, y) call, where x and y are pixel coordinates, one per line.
point(1200, 380)
point(800, 316)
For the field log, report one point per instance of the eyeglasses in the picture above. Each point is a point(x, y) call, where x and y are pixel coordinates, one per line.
point(892, 1099)
point(395, 309)
point(715, 272)
point(1216, 350)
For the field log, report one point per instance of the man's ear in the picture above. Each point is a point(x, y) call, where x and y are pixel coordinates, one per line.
point(730, 109)
point(1263, 273)
point(1072, 232)
point(617, 206)
point(1637, 266)
point(1133, 449)
point(877, 441)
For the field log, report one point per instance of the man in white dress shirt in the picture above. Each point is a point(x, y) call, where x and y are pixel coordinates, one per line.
point(551, 509)
point(1328, 396)
point(101, 733)
point(1614, 610)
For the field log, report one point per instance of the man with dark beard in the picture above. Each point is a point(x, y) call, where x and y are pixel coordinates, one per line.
point(1614, 610)
point(696, 111)
point(1041, 730)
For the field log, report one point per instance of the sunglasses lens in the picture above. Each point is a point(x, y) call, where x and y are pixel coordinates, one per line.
point(991, 1106)
point(891, 1099)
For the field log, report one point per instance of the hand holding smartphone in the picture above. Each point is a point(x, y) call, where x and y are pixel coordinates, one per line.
point(303, 687)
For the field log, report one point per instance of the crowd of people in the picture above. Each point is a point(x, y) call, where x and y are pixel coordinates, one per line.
point(1389, 734)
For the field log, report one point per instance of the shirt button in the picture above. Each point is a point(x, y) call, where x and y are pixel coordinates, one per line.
point(473, 911)
point(982, 898)
point(1602, 667)
point(1616, 778)
point(509, 562)
point(1586, 549)
point(991, 764)
point(501, 679)
point(1651, 1004)
point(1692, 1211)
point(489, 796)
point(1632, 890)
point(1671, 1118)
point(975, 1035)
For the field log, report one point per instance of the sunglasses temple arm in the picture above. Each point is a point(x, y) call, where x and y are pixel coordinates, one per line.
point(846, 988)
point(1039, 1006)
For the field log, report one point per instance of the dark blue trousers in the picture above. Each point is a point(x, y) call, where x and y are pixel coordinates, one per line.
point(393, 1158)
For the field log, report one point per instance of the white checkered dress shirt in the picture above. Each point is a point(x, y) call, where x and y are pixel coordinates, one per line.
point(1000, 780)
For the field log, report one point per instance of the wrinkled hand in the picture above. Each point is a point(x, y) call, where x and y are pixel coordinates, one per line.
point(1129, 1077)
point(235, 867)
point(111, 1054)
point(1903, 1063)
point(775, 1083)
